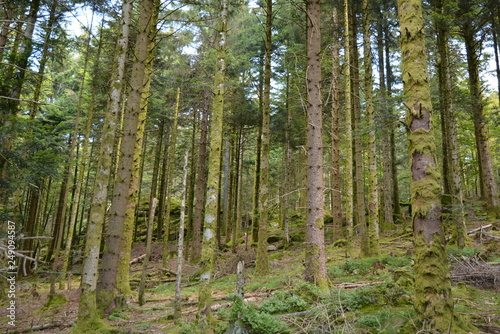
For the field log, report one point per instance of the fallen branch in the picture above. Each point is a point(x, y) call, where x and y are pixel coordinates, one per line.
point(355, 285)
point(480, 229)
point(38, 328)
point(294, 315)
point(488, 329)
point(137, 259)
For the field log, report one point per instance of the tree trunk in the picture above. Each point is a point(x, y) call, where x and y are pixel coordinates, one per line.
point(335, 126)
point(487, 177)
point(451, 168)
point(200, 183)
point(170, 168)
point(373, 248)
point(386, 124)
point(349, 187)
point(433, 303)
point(315, 260)
point(214, 162)
point(124, 192)
point(359, 184)
point(262, 261)
point(180, 245)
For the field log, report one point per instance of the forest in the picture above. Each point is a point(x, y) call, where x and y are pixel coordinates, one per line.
point(249, 166)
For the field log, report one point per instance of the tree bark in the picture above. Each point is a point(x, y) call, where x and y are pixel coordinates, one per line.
point(373, 248)
point(200, 183)
point(451, 168)
point(124, 192)
point(262, 261)
point(214, 163)
point(335, 126)
point(315, 259)
point(489, 190)
point(349, 187)
point(387, 212)
point(433, 303)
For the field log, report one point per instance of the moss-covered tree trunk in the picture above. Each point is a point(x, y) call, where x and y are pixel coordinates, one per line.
point(315, 260)
point(125, 191)
point(88, 319)
point(335, 135)
point(349, 186)
point(262, 262)
point(433, 300)
point(373, 202)
point(214, 164)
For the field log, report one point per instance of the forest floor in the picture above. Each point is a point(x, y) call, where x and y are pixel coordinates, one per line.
point(368, 295)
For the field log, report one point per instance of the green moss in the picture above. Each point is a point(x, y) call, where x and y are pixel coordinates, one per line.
point(433, 299)
point(54, 304)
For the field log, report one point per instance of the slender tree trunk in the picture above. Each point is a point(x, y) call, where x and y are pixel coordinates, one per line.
point(359, 184)
point(170, 168)
point(149, 241)
point(124, 192)
point(43, 59)
point(262, 261)
point(288, 164)
point(451, 168)
point(433, 303)
point(386, 124)
point(335, 126)
point(200, 183)
point(373, 248)
point(214, 162)
point(81, 173)
point(258, 156)
point(349, 173)
point(180, 245)
point(315, 260)
point(489, 190)
point(496, 50)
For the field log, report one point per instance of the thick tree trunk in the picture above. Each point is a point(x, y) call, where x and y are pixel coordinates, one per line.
point(433, 303)
point(315, 260)
point(262, 262)
point(124, 192)
point(214, 163)
point(88, 318)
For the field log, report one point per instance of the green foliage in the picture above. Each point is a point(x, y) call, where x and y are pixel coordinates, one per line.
point(455, 252)
point(283, 301)
point(258, 321)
